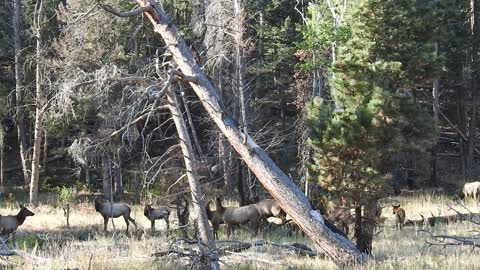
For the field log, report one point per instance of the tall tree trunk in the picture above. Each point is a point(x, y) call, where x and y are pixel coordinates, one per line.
point(364, 234)
point(224, 151)
point(260, 61)
point(204, 230)
point(286, 193)
point(39, 101)
point(436, 111)
point(472, 127)
point(107, 183)
point(20, 110)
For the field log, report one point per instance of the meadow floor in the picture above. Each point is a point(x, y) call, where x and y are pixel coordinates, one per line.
point(45, 243)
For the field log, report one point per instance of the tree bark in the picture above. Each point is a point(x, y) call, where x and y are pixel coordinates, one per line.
point(20, 110)
point(39, 100)
point(107, 183)
point(472, 127)
point(205, 231)
point(364, 234)
point(436, 110)
point(280, 186)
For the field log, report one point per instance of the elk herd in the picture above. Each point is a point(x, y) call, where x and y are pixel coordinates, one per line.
point(252, 216)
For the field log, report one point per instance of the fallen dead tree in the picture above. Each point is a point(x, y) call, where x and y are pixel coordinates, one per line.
point(455, 240)
point(225, 247)
point(288, 195)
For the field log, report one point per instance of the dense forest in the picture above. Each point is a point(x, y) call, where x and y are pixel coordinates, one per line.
point(285, 115)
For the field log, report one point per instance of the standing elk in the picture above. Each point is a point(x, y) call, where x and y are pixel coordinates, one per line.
point(399, 216)
point(233, 216)
point(153, 214)
point(9, 224)
point(215, 218)
point(114, 210)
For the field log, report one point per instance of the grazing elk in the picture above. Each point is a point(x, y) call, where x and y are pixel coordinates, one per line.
point(399, 216)
point(9, 224)
point(153, 214)
point(114, 210)
point(233, 216)
point(215, 218)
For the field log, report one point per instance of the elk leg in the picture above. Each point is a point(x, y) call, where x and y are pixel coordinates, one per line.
point(105, 223)
point(168, 224)
point(128, 223)
point(152, 225)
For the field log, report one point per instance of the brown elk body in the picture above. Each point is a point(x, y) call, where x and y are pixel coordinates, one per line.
point(160, 213)
point(269, 208)
point(215, 218)
point(114, 210)
point(399, 216)
point(233, 216)
point(10, 224)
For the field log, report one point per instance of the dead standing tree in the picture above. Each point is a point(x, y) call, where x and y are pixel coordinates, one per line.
point(280, 186)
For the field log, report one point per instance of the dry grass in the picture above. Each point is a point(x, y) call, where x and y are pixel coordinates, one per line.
point(47, 244)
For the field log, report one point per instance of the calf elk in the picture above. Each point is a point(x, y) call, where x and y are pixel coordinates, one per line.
point(233, 216)
point(160, 213)
point(399, 216)
point(113, 210)
point(9, 224)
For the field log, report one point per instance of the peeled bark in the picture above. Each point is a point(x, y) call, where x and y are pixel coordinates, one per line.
point(204, 230)
point(280, 186)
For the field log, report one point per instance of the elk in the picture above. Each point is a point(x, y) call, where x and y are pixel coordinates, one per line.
point(9, 224)
point(215, 218)
point(114, 210)
point(471, 190)
point(233, 216)
point(269, 208)
point(399, 216)
point(160, 213)
point(341, 216)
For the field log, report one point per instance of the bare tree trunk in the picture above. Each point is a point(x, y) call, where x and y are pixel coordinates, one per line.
point(2, 164)
point(38, 129)
point(472, 127)
point(205, 231)
point(107, 184)
point(20, 110)
point(436, 111)
point(282, 188)
point(260, 60)
point(45, 148)
point(224, 151)
point(192, 127)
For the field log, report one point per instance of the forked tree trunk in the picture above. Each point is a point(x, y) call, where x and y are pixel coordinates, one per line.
point(20, 110)
point(38, 129)
point(280, 186)
point(204, 230)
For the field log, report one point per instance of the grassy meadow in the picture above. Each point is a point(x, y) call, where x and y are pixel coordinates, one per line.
point(44, 242)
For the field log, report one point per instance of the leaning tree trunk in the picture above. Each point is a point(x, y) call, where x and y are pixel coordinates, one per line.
point(280, 186)
point(204, 230)
point(20, 110)
point(37, 139)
